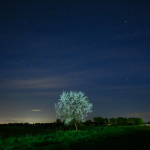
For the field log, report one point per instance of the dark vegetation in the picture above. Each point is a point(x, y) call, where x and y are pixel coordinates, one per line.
point(112, 121)
point(58, 136)
point(44, 137)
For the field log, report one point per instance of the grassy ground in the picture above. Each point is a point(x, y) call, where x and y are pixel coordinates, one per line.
point(52, 138)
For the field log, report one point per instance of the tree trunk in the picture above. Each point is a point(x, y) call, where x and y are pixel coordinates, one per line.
point(76, 127)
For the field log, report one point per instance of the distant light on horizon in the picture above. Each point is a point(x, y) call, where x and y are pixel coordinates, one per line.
point(36, 110)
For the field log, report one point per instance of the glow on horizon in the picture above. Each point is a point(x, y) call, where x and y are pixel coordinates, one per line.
point(26, 120)
point(36, 110)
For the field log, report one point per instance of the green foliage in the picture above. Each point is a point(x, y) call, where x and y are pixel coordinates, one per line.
point(135, 121)
point(124, 121)
point(64, 139)
point(72, 123)
point(138, 121)
point(73, 108)
point(118, 121)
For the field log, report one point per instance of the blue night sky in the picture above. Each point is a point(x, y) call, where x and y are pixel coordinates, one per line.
point(101, 48)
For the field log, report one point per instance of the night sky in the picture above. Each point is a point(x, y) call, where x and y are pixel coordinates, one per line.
point(101, 48)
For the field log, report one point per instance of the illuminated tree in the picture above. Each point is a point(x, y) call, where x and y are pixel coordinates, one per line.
point(73, 107)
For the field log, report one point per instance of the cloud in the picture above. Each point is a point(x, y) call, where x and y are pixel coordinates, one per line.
point(45, 83)
point(40, 83)
point(36, 110)
point(52, 82)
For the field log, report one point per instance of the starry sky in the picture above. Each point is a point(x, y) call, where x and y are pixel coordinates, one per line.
point(101, 48)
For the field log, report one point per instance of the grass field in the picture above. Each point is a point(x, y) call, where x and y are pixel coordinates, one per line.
point(63, 138)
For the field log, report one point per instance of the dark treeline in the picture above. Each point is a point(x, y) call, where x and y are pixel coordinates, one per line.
point(118, 121)
point(97, 121)
point(112, 121)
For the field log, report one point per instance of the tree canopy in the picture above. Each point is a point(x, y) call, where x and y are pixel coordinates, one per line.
point(73, 107)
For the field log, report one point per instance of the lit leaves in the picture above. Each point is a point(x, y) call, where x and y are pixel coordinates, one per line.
point(73, 106)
